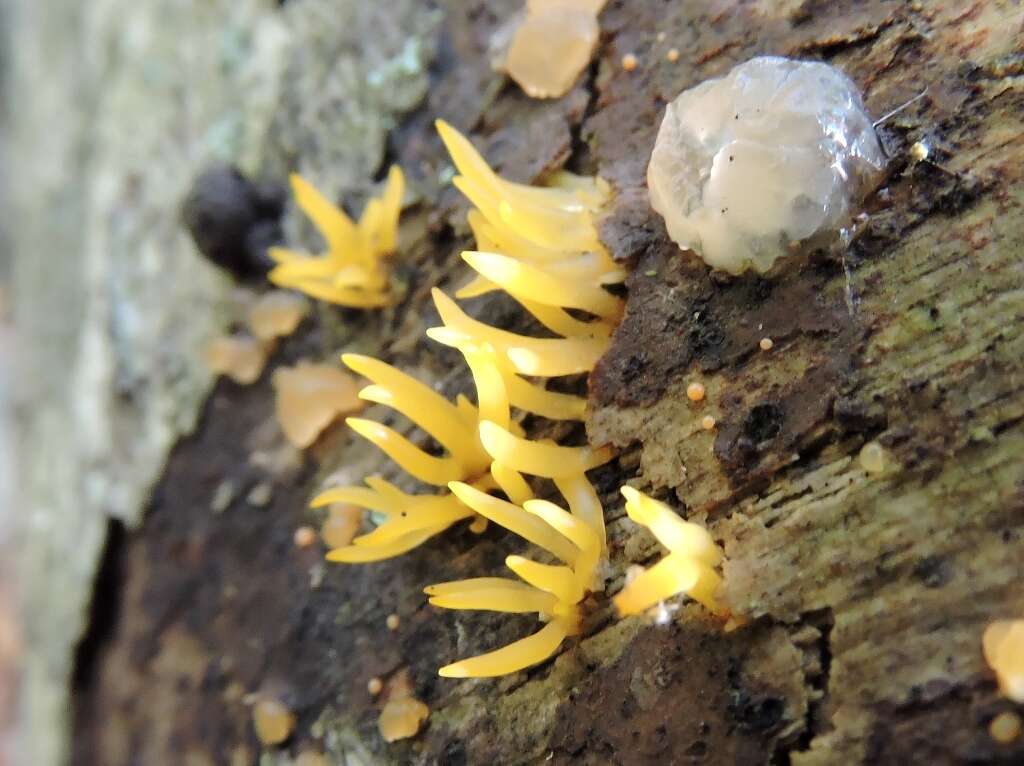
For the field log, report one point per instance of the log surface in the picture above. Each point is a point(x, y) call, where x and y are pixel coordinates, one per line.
point(866, 595)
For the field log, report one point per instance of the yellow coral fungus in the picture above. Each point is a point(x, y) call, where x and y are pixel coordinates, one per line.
point(351, 272)
point(688, 568)
point(539, 458)
point(495, 369)
point(452, 426)
point(552, 590)
point(409, 520)
point(537, 237)
point(309, 397)
point(539, 357)
point(1003, 646)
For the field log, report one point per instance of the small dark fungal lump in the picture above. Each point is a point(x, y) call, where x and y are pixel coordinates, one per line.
point(233, 220)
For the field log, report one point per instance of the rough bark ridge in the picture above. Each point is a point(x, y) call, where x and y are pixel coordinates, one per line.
point(867, 595)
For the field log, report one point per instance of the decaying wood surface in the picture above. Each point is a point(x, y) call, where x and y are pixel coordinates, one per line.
point(866, 595)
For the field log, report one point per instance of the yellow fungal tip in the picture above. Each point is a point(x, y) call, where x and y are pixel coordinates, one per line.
point(374, 686)
point(766, 344)
point(695, 392)
point(273, 721)
point(672, 55)
point(392, 622)
point(707, 423)
point(454, 670)
point(688, 568)
point(630, 62)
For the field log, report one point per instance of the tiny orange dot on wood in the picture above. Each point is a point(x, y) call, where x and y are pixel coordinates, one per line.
point(305, 537)
point(629, 62)
point(695, 391)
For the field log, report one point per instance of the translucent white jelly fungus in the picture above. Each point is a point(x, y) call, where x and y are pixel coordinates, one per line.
point(774, 154)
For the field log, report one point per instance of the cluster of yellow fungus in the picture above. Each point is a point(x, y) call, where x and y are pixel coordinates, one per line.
point(688, 568)
point(1003, 646)
point(409, 520)
point(540, 246)
point(552, 590)
point(552, 45)
point(352, 271)
point(558, 264)
point(309, 397)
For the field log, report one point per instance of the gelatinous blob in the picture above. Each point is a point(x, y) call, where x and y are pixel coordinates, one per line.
point(277, 314)
point(304, 537)
point(239, 357)
point(273, 720)
point(551, 47)
point(748, 166)
point(872, 458)
point(401, 718)
point(310, 397)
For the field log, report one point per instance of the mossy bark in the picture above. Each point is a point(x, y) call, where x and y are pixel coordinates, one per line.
point(866, 595)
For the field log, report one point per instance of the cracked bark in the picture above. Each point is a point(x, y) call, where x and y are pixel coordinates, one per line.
point(867, 595)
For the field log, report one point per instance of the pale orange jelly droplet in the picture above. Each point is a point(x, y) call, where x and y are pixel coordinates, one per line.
point(401, 718)
point(1005, 727)
point(550, 49)
point(239, 357)
point(277, 314)
point(274, 722)
point(342, 525)
point(310, 397)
